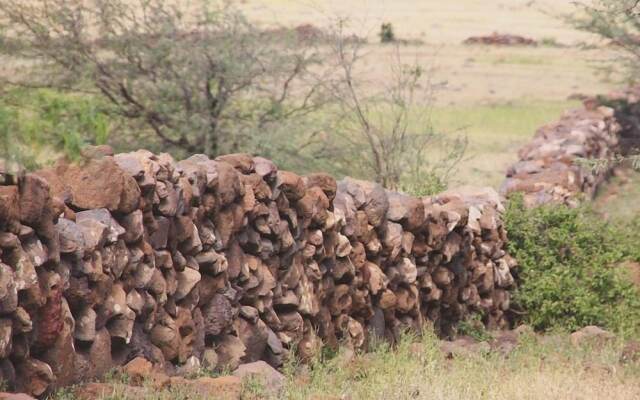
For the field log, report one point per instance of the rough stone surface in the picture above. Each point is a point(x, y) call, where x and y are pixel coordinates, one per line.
point(272, 380)
point(166, 267)
point(591, 334)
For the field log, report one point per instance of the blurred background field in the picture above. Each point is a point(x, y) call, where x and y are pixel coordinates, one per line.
point(497, 95)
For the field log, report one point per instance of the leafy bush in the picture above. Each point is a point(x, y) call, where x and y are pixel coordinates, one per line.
point(387, 35)
point(568, 276)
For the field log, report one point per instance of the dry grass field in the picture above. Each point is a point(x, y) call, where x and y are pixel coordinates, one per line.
point(498, 96)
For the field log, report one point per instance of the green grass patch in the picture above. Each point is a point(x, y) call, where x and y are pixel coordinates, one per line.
point(495, 132)
point(618, 200)
point(37, 126)
point(499, 121)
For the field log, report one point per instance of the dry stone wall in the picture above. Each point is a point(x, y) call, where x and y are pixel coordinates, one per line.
point(604, 128)
point(229, 260)
point(546, 171)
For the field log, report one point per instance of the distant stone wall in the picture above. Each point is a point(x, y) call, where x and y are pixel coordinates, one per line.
point(603, 128)
point(138, 255)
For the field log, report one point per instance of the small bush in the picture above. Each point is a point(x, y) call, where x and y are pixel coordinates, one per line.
point(473, 326)
point(550, 41)
point(567, 275)
point(387, 35)
point(427, 184)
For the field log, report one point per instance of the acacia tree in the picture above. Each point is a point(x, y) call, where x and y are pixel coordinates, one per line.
point(389, 129)
point(618, 22)
point(197, 75)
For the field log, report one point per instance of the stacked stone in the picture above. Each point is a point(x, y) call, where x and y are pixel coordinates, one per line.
point(547, 171)
point(226, 261)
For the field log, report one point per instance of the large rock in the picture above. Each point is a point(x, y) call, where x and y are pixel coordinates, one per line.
point(34, 377)
point(101, 183)
point(15, 396)
point(230, 351)
point(272, 380)
point(591, 335)
point(9, 204)
point(34, 198)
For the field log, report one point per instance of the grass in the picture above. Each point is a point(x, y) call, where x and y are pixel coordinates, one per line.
point(547, 368)
point(617, 200)
point(495, 132)
point(540, 367)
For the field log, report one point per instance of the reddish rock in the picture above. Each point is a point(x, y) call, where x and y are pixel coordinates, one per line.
point(325, 182)
point(15, 396)
point(291, 185)
point(240, 161)
point(101, 183)
point(33, 377)
point(591, 334)
point(9, 204)
point(142, 372)
point(272, 380)
point(230, 351)
point(61, 354)
point(49, 321)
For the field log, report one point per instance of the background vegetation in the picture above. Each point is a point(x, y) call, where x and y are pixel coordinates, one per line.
point(569, 268)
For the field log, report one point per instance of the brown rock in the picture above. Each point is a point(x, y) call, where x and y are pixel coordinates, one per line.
point(230, 351)
point(71, 236)
point(5, 337)
point(133, 227)
point(217, 314)
point(60, 355)
point(291, 185)
point(15, 396)
point(138, 370)
point(265, 168)
point(242, 162)
point(272, 380)
point(34, 377)
point(9, 204)
point(325, 182)
point(102, 184)
point(102, 215)
point(34, 198)
point(591, 334)
point(8, 290)
point(253, 335)
point(96, 361)
point(227, 183)
point(187, 280)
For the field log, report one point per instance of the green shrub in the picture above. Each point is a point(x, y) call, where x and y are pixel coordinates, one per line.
point(387, 35)
point(427, 184)
point(473, 326)
point(567, 275)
